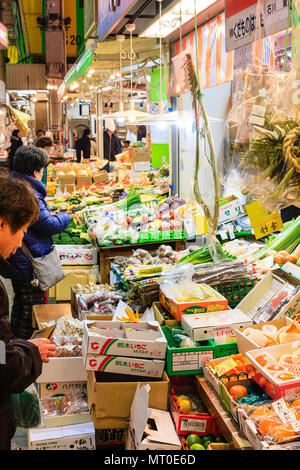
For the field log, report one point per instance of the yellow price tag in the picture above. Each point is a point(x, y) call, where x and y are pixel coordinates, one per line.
point(225, 366)
point(262, 221)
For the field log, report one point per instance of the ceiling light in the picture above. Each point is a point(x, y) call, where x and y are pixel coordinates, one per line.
point(171, 17)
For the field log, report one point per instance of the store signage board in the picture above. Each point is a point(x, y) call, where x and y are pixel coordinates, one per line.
point(263, 223)
point(3, 37)
point(241, 24)
point(110, 13)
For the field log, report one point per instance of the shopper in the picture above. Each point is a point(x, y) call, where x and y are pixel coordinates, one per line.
point(39, 133)
point(23, 362)
point(16, 142)
point(83, 146)
point(29, 165)
point(126, 144)
point(112, 143)
point(45, 143)
point(142, 133)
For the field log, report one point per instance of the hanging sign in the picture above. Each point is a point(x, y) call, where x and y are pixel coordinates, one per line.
point(110, 13)
point(231, 211)
point(241, 22)
point(263, 223)
point(3, 37)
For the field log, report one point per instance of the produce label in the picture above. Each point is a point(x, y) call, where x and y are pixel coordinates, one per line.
point(197, 425)
point(225, 366)
point(190, 360)
point(231, 211)
point(263, 223)
point(224, 397)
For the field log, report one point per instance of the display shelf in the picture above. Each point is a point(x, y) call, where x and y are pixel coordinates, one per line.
point(225, 423)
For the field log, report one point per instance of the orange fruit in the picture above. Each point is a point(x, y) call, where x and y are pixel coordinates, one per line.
point(261, 360)
point(259, 413)
point(238, 391)
point(296, 403)
point(268, 423)
point(283, 433)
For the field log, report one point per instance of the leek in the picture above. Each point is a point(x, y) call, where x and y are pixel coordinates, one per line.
point(287, 240)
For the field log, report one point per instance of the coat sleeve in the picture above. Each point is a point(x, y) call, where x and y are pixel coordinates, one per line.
point(23, 363)
point(47, 224)
point(23, 366)
point(78, 148)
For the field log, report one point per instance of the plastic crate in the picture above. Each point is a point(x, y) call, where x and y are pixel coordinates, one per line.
point(189, 361)
point(161, 236)
point(235, 291)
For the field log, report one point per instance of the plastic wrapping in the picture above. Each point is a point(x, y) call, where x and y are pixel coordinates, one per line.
point(73, 402)
point(264, 132)
point(26, 407)
point(276, 422)
point(99, 303)
point(182, 339)
point(68, 337)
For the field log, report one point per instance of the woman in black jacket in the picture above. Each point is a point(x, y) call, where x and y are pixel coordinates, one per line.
point(20, 360)
point(16, 142)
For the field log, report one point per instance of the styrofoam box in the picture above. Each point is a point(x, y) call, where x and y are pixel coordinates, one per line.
point(77, 255)
point(63, 369)
point(74, 437)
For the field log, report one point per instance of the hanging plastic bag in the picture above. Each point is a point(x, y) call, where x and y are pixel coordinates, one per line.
point(26, 407)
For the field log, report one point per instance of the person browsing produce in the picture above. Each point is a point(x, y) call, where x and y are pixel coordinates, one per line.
point(29, 166)
point(23, 359)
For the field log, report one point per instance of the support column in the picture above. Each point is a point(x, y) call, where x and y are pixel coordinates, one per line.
point(99, 112)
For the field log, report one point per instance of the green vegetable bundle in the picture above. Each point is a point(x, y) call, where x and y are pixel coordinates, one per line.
point(132, 198)
point(287, 240)
point(203, 255)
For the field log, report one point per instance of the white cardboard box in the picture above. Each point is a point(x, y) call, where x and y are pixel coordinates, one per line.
point(125, 365)
point(49, 389)
point(152, 343)
point(246, 344)
point(204, 326)
point(144, 419)
point(63, 369)
point(75, 437)
point(77, 255)
point(266, 291)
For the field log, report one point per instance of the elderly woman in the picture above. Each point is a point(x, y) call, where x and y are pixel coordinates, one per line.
point(23, 359)
point(29, 164)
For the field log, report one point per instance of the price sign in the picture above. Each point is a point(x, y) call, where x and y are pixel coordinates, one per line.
point(231, 211)
point(263, 223)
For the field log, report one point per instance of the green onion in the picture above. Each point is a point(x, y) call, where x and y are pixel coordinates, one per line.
point(287, 240)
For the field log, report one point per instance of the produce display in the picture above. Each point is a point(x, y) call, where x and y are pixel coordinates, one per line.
point(236, 365)
point(271, 335)
point(74, 234)
point(72, 402)
point(99, 303)
point(276, 422)
point(283, 368)
point(195, 442)
point(130, 221)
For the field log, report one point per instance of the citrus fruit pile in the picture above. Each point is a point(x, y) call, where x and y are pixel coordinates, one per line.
point(278, 421)
point(195, 442)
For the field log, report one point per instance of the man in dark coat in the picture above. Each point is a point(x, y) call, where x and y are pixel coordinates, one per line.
point(83, 145)
point(20, 360)
point(112, 143)
point(16, 142)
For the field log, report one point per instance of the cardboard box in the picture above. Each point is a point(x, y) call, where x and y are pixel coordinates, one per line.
point(157, 425)
point(68, 188)
point(84, 179)
point(125, 365)
point(63, 369)
point(100, 177)
point(67, 420)
point(246, 344)
point(75, 275)
point(270, 289)
point(150, 343)
point(110, 396)
point(66, 179)
point(77, 255)
point(140, 154)
point(162, 316)
point(50, 389)
point(110, 438)
point(75, 437)
point(204, 326)
point(274, 387)
point(142, 167)
point(49, 313)
point(181, 308)
point(249, 430)
point(200, 422)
